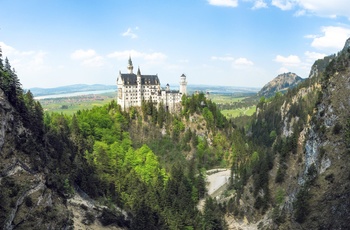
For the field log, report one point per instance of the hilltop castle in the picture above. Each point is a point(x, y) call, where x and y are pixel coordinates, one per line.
point(134, 88)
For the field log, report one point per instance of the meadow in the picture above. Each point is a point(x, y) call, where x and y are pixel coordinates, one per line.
point(232, 106)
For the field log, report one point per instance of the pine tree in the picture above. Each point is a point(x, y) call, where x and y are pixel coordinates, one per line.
point(1, 64)
point(7, 65)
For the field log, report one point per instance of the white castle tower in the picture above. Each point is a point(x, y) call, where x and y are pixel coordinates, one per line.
point(183, 84)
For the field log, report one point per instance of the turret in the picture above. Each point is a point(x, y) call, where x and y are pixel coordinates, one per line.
point(183, 84)
point(130, 66)
point(138, 76)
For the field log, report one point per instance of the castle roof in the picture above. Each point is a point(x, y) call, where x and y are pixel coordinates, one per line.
point(131, 79)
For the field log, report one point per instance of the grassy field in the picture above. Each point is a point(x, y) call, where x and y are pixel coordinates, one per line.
point(228, 99)
point(224, 99)
point(239, 112)
point(71, 105)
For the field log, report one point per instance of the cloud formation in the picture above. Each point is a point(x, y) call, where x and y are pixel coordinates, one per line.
point(24, 60)
point(87, 57)
point(258, 4)
point(326, 8)
point(226, 3)
point(313, 56)
point(283, 4)
point(130, 33)
point(243, 62)
point(333, 38)
point(291, 60)
point(83, 54)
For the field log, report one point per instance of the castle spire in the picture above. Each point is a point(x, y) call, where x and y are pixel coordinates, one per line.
point(138, 71)
point(130, 66)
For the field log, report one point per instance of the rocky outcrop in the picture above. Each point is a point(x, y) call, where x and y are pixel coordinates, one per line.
point(280, 84)
point(25, 200)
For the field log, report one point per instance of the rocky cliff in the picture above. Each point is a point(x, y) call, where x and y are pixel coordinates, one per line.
point(308, 132)
point(25, 200)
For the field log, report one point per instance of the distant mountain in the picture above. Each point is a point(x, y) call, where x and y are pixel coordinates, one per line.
point(280, 84)
point(70, 89)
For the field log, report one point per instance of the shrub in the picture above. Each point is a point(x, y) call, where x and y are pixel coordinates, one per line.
point(28, 201)
point(337, 128)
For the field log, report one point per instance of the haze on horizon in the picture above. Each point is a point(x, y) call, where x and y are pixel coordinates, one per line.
point(214, 42)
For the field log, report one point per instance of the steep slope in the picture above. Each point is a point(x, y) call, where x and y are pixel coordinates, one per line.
point(25, 200)
point(306, 184)
point(280, 84)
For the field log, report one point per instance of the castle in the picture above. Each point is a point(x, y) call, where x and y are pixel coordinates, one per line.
point(134, 88)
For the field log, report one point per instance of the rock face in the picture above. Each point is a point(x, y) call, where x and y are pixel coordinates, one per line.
point(25, 200)
point(280, 84)
point(317, 166)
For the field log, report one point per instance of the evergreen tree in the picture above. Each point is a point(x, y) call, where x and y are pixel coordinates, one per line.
point(1, 64)
point(7, 65)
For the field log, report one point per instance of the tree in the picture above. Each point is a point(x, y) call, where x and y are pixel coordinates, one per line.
point(1, 64)
point(7, 65)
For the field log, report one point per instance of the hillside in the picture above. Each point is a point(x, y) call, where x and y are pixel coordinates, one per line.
point(107, 168)
point(298, 178)
point(281, 83)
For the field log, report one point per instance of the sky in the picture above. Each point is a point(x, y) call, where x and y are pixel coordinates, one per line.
point(243, 43)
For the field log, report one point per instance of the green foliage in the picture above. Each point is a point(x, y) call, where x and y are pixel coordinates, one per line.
point(301, 205)
point(213, 216)
point(280, 194)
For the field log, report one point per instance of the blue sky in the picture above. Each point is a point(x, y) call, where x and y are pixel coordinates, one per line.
point(214, 42)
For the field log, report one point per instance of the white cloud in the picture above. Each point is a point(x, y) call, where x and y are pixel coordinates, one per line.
point(83, 54)
point(130, 33)
point(284, 4)
point(243, 61)
point(24, 61)
point(258, 4)
point(9, 50)
point(291, 60)
point(122, 55)
point(88, 58)
point(228, 3)
point(333, 38)
point(311, 36)
point(313, 56)
point(327, 8)
point(323, 8)
point(226, 58)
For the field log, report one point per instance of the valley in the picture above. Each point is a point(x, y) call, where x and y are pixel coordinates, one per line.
point(87, 163)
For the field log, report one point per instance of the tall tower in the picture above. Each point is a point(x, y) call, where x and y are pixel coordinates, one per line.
point(183, 84)
point(130, 66)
